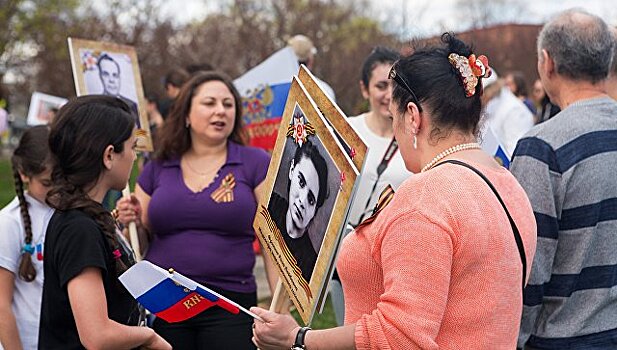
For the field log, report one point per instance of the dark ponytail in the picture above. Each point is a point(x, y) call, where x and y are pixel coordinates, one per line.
point(79, 135)
point(31, 158)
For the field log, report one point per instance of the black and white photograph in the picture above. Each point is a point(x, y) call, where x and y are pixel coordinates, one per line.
point(310, 182)
point(101, 68)
point(303, 196)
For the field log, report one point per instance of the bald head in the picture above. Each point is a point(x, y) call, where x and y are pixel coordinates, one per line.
point(580, 44)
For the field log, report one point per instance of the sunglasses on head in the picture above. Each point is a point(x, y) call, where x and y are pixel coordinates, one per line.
point(393, 75)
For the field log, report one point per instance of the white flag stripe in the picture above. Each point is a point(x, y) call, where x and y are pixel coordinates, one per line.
point(490, 144)
point(141, 277)
point(279, 68)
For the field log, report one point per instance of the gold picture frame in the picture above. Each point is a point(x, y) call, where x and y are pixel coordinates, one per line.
point(292, 188)
point(101, 68)
point(351, 141)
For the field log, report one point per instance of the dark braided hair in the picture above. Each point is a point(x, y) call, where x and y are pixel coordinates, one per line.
point(31, 158)
point(79, 135)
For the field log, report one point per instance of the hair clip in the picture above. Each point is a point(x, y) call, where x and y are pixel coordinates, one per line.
point(28, 248)
point(117, 254)
point(470, 69)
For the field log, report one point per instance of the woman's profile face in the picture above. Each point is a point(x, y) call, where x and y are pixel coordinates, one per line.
point(303, 192)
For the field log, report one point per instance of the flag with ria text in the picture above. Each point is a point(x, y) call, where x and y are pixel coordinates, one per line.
point(171, 298)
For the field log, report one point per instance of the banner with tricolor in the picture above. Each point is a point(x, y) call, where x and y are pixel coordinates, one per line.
point(264, 91)
point(172, 296)
point(490, 144)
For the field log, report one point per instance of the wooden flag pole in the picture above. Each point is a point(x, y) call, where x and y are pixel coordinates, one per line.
point(280, 301)
point(134, 238)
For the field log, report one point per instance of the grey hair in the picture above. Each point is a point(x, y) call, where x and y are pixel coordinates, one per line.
point(613, 70)
point(581, 44)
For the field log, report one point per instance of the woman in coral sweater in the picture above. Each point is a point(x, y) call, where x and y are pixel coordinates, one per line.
point(440, 265)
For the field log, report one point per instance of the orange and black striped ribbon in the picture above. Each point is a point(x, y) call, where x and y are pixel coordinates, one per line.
point(384, 199)
point(225, 192)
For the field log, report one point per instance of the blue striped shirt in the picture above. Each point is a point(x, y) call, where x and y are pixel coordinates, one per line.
point(568, 167)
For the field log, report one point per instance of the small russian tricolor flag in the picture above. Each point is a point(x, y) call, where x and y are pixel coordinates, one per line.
point(170, 295)
point(491, 144)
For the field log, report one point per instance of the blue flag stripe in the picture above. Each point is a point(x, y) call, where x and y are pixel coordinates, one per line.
point(502, 155)
point(204, 293)
point(280, 92)
point(162, 296)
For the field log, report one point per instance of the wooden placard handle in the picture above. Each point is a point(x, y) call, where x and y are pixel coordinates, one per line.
point(280, 300)
point(133, 229)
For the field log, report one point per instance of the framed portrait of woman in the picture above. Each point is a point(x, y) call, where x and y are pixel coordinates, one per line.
point(111, 69)
point(310, 182)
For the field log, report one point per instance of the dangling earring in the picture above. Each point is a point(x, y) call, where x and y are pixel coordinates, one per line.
point(187, 124)
point(415, 141)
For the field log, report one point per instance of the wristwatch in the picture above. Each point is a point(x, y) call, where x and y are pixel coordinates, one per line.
point(299, 343)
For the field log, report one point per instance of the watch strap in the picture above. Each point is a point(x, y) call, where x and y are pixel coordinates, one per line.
point(299, 342)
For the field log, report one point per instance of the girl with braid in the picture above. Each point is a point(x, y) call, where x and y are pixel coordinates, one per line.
point(23, 223)
point(84, 305)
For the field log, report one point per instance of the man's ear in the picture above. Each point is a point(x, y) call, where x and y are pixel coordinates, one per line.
point(547, 62)
point(108, 157)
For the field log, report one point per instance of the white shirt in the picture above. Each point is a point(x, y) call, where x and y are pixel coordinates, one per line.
point(26, 295)
point(509, 118)
point(395, 173)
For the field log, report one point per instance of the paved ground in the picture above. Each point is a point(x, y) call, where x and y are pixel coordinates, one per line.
point(263, 291)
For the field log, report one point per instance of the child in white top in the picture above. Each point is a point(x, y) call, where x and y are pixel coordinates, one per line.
point(24, 222)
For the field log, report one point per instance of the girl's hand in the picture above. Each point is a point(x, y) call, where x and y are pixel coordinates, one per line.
point(278, 331)
point(156, 342)
point(128, 210)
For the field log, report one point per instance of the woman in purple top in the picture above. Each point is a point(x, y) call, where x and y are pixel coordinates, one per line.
point(199, 196)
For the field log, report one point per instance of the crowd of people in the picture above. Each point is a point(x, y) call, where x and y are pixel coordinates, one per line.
point(444, 247)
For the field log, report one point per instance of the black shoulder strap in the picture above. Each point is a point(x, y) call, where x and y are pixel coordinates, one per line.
point(517, 235)
point(387, 157)
point(385, 160)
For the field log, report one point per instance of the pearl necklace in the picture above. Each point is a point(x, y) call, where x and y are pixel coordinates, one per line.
point(449, 151)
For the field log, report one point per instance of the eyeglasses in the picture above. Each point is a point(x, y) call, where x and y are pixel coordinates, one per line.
point(401, 81)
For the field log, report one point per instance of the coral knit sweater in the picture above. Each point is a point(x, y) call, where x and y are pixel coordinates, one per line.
point(439, 267)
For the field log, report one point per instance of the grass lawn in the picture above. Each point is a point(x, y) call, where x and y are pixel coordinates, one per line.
point(320, 321)
point(7, 187)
